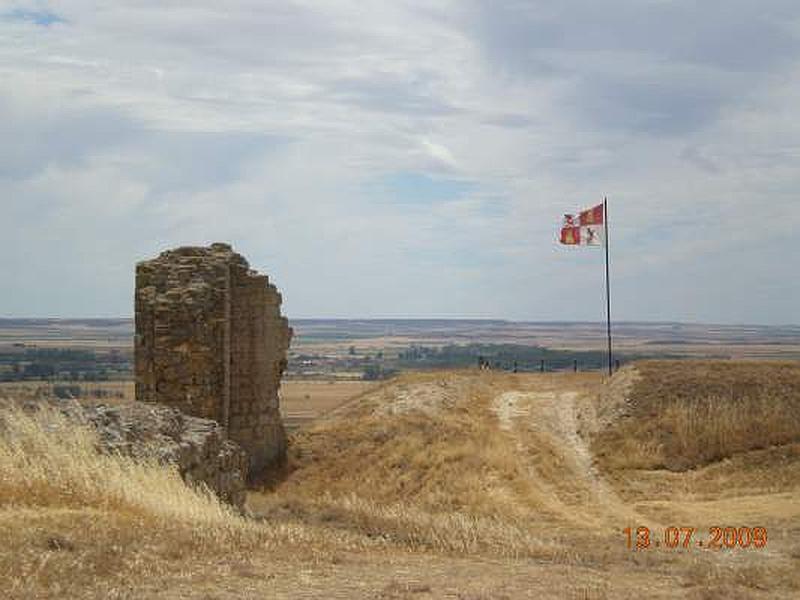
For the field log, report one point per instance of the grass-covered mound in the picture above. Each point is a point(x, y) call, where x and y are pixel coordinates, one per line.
point(683, 414)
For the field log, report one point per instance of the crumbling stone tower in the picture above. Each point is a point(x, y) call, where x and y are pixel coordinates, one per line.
point(211, 341)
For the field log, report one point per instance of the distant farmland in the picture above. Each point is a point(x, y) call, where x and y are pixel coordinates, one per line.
point(101, 349)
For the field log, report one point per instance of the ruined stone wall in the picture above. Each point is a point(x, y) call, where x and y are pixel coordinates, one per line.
point(210, 340)
point(259, 340)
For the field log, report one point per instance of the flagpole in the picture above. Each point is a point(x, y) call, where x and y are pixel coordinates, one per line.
point(608, 287)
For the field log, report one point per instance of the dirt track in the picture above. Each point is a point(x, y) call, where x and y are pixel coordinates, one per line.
point(554, 414)
point(547, 422)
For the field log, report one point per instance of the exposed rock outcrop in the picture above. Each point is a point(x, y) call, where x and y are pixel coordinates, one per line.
point(196, 446)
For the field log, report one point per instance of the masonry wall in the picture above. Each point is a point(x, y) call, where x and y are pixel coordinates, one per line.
point(211, 341)
point(259, 339)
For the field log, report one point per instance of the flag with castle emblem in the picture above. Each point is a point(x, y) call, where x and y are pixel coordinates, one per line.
point(590, 228)
point(587, 229)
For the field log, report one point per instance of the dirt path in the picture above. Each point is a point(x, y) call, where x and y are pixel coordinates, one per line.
point(549, 417)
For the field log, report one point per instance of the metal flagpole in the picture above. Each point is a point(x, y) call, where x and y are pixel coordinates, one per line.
point(608, 287)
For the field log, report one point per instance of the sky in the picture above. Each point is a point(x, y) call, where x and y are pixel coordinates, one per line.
point(407, 158)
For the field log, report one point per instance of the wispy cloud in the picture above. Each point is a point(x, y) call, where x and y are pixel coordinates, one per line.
point(409, 158)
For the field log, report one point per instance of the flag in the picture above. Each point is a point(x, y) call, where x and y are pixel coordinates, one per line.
point(586, 230)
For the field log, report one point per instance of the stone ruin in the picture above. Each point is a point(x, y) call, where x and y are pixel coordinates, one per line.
point(211, 342)
point(197, 447)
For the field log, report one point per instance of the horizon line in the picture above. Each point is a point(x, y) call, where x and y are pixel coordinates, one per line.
point(496, 320)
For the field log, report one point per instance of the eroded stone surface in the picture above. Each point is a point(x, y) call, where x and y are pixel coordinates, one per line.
point(197, 447)
point(211, 341)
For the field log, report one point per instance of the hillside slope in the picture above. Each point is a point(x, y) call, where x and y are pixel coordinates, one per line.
point(496, 464)
point(460, 484)
point(681, 415)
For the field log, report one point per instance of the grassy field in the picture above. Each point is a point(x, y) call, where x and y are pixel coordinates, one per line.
point(322, 348)
point(451, 484)
point(111, 390)
point(303, 401)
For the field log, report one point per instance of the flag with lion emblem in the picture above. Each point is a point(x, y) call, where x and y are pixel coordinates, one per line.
point(584, 230)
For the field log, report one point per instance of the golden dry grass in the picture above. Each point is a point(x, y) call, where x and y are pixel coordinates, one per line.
point(72, 516)
point(107, 391)
point(448, 481)
point(46, 460)
point(684, 414)
point(426, 464)
point(423, 463)
point(425, 487)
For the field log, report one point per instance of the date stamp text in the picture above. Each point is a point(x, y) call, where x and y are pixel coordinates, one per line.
point(715, 538)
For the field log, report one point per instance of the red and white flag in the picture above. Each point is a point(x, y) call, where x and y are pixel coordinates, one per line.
point(587, 229)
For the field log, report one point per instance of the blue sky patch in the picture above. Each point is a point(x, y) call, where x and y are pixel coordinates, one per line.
point(418, 188)
point(42, 18)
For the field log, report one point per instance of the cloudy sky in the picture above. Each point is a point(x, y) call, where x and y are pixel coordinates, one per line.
point(406, 158)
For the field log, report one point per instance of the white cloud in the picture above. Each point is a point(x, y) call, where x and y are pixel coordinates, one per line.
point(141, 125)
point(440, 154)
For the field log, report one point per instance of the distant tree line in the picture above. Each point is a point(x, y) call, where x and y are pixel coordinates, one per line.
point(376, 372)
point(63, 364)
point(501, 356)
point(74, 390)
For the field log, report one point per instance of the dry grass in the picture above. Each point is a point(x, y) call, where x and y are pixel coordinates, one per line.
point(73, 518)
point(684, 414)
point(420, 464)
point(453, 461)
point(713, 428)
point(443, 464)
point(421, 488)
point(107, 391)
point(423, 464)
point(48, 461)
point(411, 527)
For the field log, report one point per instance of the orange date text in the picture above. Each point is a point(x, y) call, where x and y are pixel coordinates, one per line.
point(714, 538)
